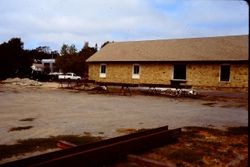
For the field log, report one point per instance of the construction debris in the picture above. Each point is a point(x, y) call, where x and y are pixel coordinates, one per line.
point(22, 82)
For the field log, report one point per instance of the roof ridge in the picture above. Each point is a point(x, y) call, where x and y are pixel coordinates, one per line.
point(185, 38)
point(219, 48)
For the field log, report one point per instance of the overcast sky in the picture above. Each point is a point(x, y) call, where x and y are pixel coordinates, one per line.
point(54, 22)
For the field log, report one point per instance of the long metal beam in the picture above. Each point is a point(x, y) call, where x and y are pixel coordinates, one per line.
point(102, 152)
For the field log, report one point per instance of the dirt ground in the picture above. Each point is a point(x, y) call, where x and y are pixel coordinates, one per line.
point(43, 111)
point(197, 146)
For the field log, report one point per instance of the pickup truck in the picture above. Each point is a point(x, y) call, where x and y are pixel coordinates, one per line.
point(69, 75)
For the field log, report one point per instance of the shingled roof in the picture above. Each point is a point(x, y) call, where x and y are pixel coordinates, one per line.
point(223, 48)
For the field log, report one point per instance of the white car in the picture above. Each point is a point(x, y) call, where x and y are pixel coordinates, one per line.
point(69, 75)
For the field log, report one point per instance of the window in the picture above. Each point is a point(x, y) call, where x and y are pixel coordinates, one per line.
point(224, 72)
point(103, 71)
point(179, 71)
point(136, 71)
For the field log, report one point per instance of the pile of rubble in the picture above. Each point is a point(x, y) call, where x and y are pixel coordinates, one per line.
point(22, 82)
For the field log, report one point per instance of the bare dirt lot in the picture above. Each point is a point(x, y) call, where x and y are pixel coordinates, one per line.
point(197, 146)
point(44, 111)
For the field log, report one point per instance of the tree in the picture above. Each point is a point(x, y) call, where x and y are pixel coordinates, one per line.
point(71, 61)
point(72, 49)
point(44, 49)
point(11, 57)
point(25, 63)
point(86, 52)
point(105, 43)
point(66, 49)
point(68, 59)
point(54, 54)
point(42, 52)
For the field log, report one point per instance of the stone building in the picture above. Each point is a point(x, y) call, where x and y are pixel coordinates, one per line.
point(211, 62)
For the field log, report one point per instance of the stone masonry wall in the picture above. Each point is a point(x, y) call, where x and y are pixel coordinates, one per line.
point(208, 75)
point(122, 73)
point(197, 74)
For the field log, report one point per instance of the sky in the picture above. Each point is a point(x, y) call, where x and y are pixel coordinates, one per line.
point(56, 22)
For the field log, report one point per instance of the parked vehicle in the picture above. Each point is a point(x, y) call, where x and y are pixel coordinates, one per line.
point(69, 75)
point(54, 75)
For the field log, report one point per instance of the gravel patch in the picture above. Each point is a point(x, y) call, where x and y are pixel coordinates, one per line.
point(68, 112)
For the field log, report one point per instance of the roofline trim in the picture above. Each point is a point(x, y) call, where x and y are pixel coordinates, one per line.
point(196, 61)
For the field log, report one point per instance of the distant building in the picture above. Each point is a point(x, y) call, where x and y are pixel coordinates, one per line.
point(45, 66)
point(37, 67)
point(211, 62)
point(49, 65)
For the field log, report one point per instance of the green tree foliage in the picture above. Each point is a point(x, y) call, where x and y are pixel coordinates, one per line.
point(43, 52)
point(85, 53)
point(73, 61)
point(67, 62)
point(43, 49)
point(13, 60)
point(68, 50)
point(64, 50)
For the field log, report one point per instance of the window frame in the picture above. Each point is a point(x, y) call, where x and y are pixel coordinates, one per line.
point(174, 72)
point(101, 73)
point(227, 75)
point(136, 75)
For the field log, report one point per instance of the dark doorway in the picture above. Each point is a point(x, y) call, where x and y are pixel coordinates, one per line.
point(180, 71)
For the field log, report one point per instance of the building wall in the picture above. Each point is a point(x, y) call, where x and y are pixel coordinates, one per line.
point(122, 73)
point(197, 74)
point(208, 75)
